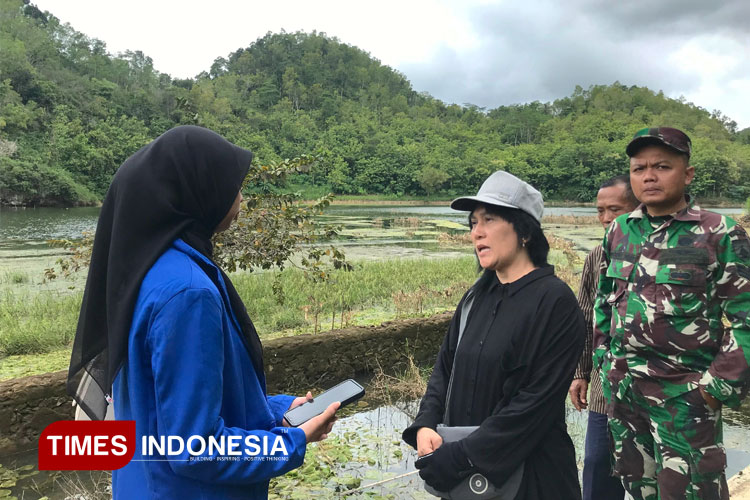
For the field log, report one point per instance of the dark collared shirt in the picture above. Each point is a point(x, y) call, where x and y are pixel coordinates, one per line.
point(513, 368)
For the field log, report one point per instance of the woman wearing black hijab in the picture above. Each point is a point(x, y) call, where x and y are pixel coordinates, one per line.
point(163, 326)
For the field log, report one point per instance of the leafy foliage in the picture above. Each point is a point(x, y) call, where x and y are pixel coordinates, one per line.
point(79, 256)
point(276, 226)
point(273, 228)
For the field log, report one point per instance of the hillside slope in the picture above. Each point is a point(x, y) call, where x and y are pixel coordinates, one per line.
point(70, 113)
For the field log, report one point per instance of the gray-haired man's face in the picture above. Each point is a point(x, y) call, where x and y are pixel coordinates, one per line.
point(610, 202)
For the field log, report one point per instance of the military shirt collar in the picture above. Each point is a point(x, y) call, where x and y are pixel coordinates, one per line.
point(691, 213)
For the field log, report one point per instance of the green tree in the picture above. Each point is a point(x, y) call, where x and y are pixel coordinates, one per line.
point(432, 179)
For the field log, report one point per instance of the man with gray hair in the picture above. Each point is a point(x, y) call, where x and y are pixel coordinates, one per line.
point(615, 197)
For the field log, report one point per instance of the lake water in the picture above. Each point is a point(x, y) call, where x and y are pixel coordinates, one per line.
point(39, 224)
point(378, 433)
point(370, 232)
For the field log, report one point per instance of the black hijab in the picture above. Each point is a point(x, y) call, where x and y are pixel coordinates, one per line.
point(181, 185)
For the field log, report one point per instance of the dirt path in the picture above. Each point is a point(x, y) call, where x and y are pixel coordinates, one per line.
point(739, 485)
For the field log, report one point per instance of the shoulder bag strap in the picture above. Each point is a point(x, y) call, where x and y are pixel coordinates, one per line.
point(465, 309)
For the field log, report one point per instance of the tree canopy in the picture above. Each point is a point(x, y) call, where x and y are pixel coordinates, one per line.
point(70, 113)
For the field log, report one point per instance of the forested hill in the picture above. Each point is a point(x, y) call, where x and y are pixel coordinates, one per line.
point(70, 113)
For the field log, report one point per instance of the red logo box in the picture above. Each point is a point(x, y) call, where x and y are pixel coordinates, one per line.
point(87, 445)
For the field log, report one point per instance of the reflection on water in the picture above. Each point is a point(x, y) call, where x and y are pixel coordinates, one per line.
point(374, 231)
point(379, 454)
point(382, 427)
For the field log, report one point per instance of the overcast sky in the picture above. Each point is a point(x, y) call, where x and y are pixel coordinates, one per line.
point(482, 52)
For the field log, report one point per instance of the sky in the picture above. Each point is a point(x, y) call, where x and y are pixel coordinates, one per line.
point(483, 52)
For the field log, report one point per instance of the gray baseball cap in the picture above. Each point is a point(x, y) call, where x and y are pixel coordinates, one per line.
point(504, 190)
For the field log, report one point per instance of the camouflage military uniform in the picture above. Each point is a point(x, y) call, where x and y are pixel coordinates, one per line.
point(659, 305)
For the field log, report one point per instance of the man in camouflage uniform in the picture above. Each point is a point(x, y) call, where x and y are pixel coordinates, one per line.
point(667, 363)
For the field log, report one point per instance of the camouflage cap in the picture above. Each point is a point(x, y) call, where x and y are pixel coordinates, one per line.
point(667, 136)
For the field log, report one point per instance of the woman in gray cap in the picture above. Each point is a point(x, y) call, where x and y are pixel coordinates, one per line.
point(507, 360)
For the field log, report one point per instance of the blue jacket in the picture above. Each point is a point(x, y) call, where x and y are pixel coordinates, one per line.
point(187, 374)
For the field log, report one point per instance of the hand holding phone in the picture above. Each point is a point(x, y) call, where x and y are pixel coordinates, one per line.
point(317, 428)
point(346, 392)
point(297, 401)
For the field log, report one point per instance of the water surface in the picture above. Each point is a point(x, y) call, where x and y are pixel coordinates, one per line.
point(364, 448)
point(39, 224)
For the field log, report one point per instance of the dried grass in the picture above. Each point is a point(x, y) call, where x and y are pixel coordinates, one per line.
point(80, 485)
point(744, 221)
point(567, 247)
point(409, 385)
point(406, 222)
point(417, 301)
point(577, 220)
point(453, 240)
point(570, 277)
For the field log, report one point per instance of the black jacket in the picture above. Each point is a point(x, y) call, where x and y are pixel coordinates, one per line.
point(516, 360)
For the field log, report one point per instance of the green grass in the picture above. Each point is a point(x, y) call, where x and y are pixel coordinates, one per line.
point(373, 292)
point(33, 323)
point(15, 278)
point(37, 322)
point(37, 327)
point(23, 365)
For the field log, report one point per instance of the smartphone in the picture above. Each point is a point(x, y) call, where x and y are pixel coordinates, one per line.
point(422, 461)
point(347, 392)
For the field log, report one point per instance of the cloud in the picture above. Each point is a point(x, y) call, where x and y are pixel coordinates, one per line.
point(542, 50)
point(689, 17)
point(485, 52)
